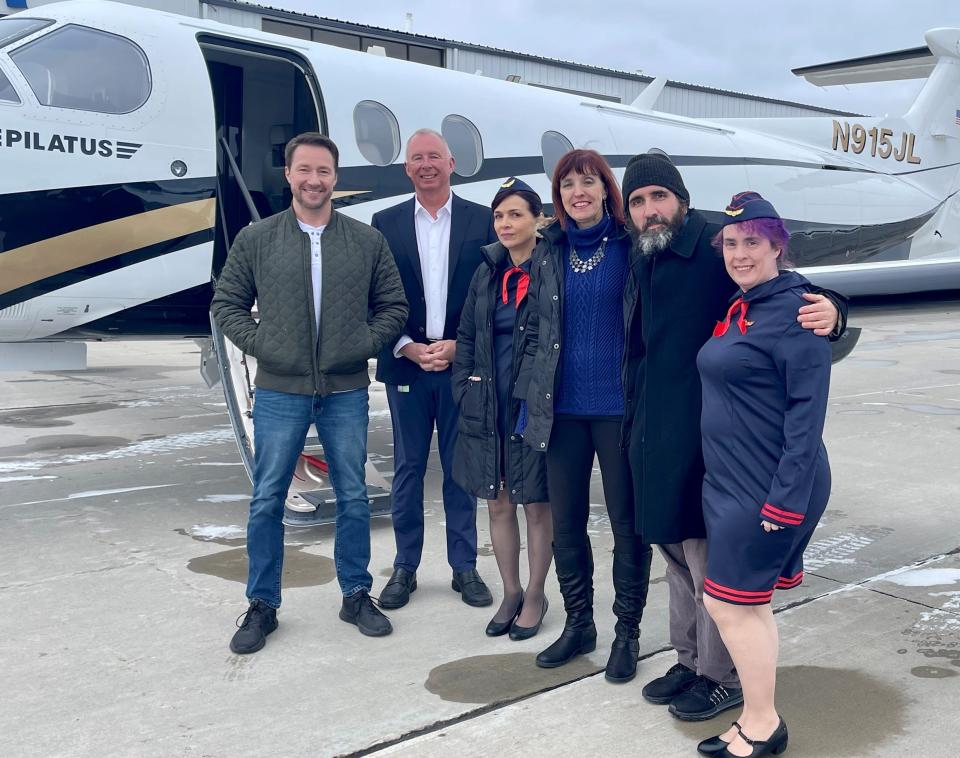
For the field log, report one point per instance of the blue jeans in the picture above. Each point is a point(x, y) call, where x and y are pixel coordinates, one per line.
point(280, 424)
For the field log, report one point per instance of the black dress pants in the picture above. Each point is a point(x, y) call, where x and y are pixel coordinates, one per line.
point(574, 443)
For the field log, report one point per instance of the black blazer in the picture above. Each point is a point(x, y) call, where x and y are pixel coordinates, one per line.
point(471, 227)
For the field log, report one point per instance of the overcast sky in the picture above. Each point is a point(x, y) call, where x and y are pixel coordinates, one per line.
point(743, 45)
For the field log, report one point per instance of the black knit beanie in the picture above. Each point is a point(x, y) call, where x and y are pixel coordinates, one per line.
point(652, 168)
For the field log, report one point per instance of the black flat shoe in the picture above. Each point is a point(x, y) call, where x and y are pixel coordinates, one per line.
point(471, 588)
point(518, 632)
point(714, 745)
point(499, 628)
point(775, 744)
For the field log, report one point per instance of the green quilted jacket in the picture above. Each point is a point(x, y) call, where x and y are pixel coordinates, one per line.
point(363, 306)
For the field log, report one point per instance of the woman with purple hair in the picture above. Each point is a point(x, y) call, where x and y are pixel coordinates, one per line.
point(765, 383)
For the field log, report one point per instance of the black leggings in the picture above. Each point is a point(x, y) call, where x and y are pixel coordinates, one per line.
point(573, 444)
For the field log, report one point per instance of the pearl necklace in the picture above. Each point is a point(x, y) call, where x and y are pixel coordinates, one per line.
point(581, 266)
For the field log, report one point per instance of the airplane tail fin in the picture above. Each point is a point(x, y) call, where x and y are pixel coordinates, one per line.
point(934, 117)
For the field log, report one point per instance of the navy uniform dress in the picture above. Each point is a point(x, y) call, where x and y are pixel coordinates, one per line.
point(765, 383)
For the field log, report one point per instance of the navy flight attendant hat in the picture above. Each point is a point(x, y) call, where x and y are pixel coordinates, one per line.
point(747, 206)
point(509, 187)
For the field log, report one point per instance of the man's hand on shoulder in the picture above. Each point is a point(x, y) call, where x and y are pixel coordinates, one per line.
point(821, 315)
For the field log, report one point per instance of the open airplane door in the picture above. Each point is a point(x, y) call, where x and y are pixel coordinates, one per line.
point(310, 499)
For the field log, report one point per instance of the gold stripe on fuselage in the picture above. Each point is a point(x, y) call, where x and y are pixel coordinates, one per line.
point(65, 252)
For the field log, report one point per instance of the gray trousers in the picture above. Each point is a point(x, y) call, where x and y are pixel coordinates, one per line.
point(692, 631)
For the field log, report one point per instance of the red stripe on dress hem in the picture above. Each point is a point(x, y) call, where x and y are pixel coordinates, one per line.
point(780, 513)
point(739, 600)
point(789, 584)
point(747, 594)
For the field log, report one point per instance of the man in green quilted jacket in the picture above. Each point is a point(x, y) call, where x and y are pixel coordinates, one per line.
point(329, 297)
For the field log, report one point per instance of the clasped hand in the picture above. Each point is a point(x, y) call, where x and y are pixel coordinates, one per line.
point(437, 356)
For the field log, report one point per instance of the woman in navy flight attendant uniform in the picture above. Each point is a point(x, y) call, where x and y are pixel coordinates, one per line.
point(765, 383)
point(490, 460)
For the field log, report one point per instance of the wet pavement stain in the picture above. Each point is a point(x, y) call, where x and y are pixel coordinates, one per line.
point(932, 672)
point(50, 415)
point(226, 541)
point(833, 712)
point(494, 678)
point(60, 442)
point(300, 569)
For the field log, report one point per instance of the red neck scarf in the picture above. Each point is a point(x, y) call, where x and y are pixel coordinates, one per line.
point(523, 284)
point(721, 328)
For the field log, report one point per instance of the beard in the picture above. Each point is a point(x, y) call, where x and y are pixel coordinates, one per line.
point(650, 243)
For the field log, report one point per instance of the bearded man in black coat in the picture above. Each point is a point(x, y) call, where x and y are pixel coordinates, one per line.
point(677, 290)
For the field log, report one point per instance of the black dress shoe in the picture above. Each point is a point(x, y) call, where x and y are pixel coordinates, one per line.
point(713, 745)
point(518, 632)
point(572, 642)
point(663, 689)
point(624, 653)
point(397, 592)
point(704, 700)
point(359, 609)
point(775, 744)
point(499, 628)
point(471, 588)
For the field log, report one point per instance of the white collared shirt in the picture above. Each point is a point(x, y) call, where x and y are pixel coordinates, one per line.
point(316, 265)
point(433, 246)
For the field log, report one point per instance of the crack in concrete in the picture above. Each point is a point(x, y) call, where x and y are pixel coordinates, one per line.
point(437, 726)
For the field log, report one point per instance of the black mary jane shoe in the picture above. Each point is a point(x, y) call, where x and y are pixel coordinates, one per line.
point(518, 632)
point(713, 745)
point(775, 744)
point(499, 628)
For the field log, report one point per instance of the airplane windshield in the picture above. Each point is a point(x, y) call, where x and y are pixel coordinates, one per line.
point(12, 29)
point(85, 69)
point(7, 93)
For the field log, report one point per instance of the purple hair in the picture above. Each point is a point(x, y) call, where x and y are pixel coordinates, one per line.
point(771, 229)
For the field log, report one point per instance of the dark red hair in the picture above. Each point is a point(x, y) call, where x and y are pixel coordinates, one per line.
point(586, 162)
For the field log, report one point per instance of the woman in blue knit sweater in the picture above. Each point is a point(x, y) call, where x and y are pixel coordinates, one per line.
point(571, 380)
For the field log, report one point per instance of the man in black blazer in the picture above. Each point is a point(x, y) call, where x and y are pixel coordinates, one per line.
point(436, 239)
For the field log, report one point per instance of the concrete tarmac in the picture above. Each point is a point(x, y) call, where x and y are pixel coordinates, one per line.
point(122, 514)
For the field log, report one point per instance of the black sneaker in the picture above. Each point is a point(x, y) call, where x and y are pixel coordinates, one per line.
point(258, 621)
point(704, 700)
point(359, 609)
point(663, 689)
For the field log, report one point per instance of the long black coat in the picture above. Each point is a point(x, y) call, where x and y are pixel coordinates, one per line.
point(476, 462)
point(682, 292)
point(539, 372)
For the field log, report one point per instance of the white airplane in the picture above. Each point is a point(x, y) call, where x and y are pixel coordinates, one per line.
point(135, 144)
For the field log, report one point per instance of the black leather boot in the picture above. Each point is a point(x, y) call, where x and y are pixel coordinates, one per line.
point(579, 636)
point(631, 579)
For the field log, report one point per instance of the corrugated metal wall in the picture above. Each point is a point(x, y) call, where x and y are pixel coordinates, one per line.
point(679, 100)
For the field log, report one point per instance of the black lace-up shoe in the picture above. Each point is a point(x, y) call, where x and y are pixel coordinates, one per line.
point(663, 689)
point(704, 700)
point(471, 588)
point(257, 622)
point(359, 609)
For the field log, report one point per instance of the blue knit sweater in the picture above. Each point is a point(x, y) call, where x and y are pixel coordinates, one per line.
point(592, 350)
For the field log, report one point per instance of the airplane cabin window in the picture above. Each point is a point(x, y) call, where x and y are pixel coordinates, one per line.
point(553, 146)
point(465, 144)
point(12, 29)
point(85, 69)
point(377, 132)
point(7, 92)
